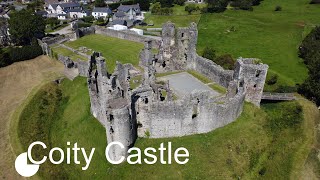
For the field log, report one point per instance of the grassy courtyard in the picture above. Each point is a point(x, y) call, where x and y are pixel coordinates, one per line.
point(259, 144)
point(113, 49)
point(66, 52)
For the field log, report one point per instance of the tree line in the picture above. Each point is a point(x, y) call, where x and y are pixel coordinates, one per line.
point(24, 28)
point(310, 52)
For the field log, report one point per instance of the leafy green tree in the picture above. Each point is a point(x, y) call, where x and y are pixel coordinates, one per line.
point(310, 52)
point(179, 2)
point(216, 6)
point(156, 8)
point(144, 4)
point(53, 22)
point(88, 19)
point(99, 3)
point(166, 3)
point(24, 26)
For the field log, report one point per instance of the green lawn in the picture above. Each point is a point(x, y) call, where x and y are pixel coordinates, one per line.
point(274, 37)
point(179, 20)
point(113, 49)
point(66, 52)
point(58, 114)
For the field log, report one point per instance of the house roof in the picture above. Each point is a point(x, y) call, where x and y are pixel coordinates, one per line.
point(47, 2)
point(119, 14)
point(74, 10)
point(102, 9)
point(54, 6)
point(120, 22)
point(126, 8)
point(67, 5)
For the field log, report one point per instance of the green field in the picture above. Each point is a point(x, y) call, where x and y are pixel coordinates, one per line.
point(274, 37)
point(180, 17)
point(261, 143)
point(113, 49)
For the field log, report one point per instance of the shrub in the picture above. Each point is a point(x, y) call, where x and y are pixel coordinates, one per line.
point(190, 8)
point(242, 4)
point(209, 53)
point(81, 25)
point(88, 19)
point(272, 79)
point(278, 8)
point(226, 61)
point(286, 89)
point(315, 2)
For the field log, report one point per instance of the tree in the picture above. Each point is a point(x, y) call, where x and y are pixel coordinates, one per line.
point(156, 8)
point(99, 3)
point(24, 25)
point(216, 6)
point(310, 52)
point(190, 8)
point(209, 53)
point(166, 3)
point(53, 22)
point(179, 2)
point(144, 4)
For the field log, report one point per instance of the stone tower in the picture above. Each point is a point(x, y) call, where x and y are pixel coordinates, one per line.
point(110, 104)
point(251, 74)
point(178, 46)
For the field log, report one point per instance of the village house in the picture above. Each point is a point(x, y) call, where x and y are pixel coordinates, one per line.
point(59, 9)
point(78, 13)
point(103, 12)
point(128, 12)
point(195, 1)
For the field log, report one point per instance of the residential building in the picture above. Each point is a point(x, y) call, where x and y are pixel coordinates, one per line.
point(195, 1)
point(130, 11)
point(103, 12)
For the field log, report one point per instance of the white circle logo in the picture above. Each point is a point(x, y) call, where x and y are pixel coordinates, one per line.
point(23, 168)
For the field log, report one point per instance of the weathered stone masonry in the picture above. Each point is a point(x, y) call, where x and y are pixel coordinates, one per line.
point(149, 110)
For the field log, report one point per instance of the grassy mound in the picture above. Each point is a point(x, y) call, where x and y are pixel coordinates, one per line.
point(269, 142)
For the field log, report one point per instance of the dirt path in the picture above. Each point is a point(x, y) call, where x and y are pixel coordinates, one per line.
point(16, 82)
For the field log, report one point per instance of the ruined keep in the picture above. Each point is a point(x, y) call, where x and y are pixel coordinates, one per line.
point(150, 109)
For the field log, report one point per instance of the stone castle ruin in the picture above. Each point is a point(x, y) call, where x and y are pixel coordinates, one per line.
point(150, 110)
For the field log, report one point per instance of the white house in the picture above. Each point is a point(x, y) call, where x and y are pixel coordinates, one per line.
point(195, 1)
point(63, 7)
point(118, 27)
point(62, 16)
point(78, 13)
point(103, 12)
